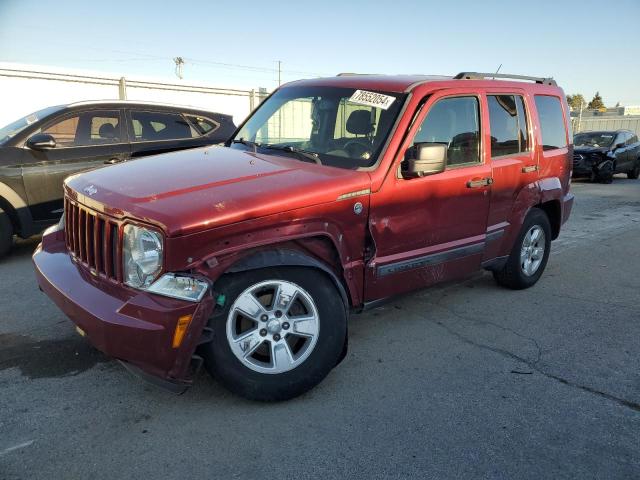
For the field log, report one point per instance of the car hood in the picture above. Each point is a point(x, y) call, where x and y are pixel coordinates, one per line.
point(191, 190)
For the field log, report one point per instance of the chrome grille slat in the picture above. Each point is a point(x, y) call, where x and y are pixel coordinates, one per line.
point(92, 239)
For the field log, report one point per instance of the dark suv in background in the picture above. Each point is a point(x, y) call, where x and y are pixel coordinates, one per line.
point(39, 151)
point(600, 155)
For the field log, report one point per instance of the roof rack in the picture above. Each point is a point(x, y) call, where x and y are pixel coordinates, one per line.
point(480, 76)
point(351, 74)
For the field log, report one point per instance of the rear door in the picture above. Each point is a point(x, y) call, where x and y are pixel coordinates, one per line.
point(84, 140)
point(513, 162)
point(159, 131)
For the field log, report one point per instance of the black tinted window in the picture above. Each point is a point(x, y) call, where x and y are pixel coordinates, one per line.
point(154, 126)
point(508, 124)
point(551, 122)
point(453, 122)
point(203, 125)
point(87, 128)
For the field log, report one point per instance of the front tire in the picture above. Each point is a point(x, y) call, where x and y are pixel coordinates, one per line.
point(6, 233)
point(605, 172)
point(530, 253)
point(280, 332)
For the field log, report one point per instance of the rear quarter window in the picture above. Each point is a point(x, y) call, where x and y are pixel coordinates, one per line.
point(554, 133)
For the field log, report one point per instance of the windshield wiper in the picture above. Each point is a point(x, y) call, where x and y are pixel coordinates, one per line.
point(302, 154)
point(248, 143)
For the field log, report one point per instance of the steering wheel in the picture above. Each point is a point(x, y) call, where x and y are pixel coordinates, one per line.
point(352, 147)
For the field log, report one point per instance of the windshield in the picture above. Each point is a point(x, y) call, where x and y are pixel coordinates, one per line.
point(340, 127)
point(16, 127)
point(593, 139)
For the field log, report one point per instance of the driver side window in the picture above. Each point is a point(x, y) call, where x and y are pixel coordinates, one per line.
point(454, 122)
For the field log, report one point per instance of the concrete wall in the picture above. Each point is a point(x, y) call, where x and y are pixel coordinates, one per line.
point(25, 89)
point(627, 122)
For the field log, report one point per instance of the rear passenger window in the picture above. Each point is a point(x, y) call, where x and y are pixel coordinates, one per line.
point(508, 125)
point(202, 125)
point(156, 126)
point(104, 128)
point(453, 122)
point(554, 133)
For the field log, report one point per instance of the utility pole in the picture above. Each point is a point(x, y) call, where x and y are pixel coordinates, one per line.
point(179, 64)
point(279, 73)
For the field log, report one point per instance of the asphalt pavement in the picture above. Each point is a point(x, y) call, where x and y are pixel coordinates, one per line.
point(465, 380)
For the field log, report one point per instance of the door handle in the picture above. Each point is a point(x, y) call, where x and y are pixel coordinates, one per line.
point(530, 168)
point(113, 161)
point(479, 182)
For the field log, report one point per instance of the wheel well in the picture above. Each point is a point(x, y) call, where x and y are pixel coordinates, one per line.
point(11, 212)
point(554, 213)
point(291, 254)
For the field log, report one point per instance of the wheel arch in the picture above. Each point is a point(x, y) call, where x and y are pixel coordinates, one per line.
point(16, 209)
point(287, 256)
point(553, 209)
point(545, 194)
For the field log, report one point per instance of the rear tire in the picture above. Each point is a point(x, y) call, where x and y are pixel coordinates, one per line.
point(526, 262)
point(289, 356)
point(6, 233)
point(634, 173)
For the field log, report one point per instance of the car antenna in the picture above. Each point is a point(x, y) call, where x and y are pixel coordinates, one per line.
point(498, 70)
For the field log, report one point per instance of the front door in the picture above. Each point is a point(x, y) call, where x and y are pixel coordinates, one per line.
point(433, 228)
point(84, 140)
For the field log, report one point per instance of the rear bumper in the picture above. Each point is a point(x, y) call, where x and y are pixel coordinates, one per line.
point(567, 206)
point(132, 326)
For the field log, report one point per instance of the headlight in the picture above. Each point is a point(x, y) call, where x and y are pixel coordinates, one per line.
point(182, 287)
point(142, 256)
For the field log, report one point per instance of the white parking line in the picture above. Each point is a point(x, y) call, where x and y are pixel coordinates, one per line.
point(16, 447)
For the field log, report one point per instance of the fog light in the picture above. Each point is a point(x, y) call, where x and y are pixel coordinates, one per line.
point(181, 329)
point(181, 287)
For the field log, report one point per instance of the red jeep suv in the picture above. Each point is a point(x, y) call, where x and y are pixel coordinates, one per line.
point(333, 196)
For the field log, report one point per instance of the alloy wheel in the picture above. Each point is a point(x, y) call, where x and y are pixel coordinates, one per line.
point(273, 326)
point(532, 250)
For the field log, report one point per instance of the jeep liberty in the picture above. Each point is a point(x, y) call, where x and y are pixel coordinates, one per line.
point(334, 195)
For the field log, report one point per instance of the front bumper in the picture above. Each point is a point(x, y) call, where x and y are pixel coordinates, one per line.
point(133, 326)
point(585, 165)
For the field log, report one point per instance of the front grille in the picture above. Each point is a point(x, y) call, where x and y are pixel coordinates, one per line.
point(92, 239)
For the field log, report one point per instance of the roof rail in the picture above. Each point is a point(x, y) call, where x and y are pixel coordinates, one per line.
point(480, 76)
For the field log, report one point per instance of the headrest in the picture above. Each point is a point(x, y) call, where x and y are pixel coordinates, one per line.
point(107, 130)
point(359, 122)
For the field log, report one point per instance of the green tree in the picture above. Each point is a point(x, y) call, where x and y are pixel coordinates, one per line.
point(596, 102)
point(576, 101)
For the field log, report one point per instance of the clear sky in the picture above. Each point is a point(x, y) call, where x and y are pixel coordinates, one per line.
point(586, 45)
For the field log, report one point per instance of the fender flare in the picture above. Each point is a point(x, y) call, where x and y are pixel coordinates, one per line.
point(536, 193)
point(278, 257)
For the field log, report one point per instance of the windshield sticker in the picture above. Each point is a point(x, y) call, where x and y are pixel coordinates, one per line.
point(372, 99)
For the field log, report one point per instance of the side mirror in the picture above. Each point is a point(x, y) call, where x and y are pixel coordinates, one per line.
point(425, 159)
point(620, 145)
point(41, 141)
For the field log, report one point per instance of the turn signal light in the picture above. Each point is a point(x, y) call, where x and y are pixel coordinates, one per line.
point(181, 329)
